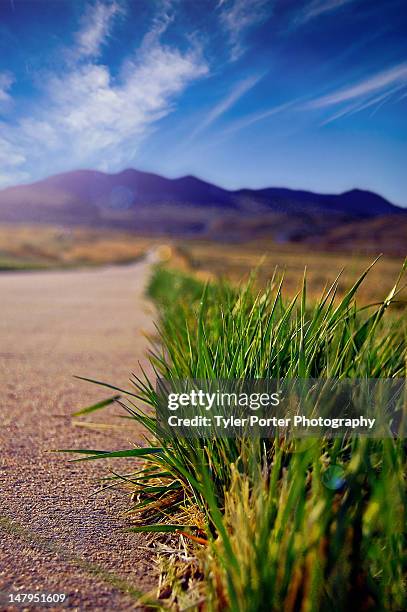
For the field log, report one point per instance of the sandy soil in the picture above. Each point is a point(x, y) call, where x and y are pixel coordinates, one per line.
point(54, 537)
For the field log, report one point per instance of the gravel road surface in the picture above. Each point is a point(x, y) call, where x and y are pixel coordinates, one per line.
point(54, 536)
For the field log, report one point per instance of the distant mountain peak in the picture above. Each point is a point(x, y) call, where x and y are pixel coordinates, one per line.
point(133, 199)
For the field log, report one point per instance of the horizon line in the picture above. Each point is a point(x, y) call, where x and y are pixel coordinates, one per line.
point(203, 180)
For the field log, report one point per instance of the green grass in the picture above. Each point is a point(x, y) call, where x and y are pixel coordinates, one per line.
point(278, 537)
point(8, 264)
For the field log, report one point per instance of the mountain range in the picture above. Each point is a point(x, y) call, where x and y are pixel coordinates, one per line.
point(187, 206)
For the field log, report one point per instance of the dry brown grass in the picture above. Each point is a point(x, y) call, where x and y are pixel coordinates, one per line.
point(27, 246)
point(48, 246)
point(236, 261)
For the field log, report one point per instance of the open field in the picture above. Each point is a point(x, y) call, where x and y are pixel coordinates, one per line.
point(36, 246)
point(236, 262)
point(42, 246)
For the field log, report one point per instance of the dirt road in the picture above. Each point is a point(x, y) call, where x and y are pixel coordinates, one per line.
point(54, 537)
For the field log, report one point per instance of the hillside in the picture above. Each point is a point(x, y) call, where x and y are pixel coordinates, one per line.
point(379, 235)
point(187, 206)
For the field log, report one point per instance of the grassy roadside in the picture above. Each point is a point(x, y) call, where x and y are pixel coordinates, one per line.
point(269, 523)
point(235, 262)
point(10, 264)
point(38, 247)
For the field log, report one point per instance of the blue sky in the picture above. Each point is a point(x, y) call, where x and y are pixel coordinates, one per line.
point(308, 94)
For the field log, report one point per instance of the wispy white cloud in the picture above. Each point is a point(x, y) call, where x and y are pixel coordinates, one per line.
point(6, 82)
point(9, 154)
point(162, 20)
point(385, 98)
point(370, 92)
point(239, 90)
point(402, 97)
point(12, 177)
point(94, 114)
point(253, 118)
point(90, 118)
point(356, 107)
point(12, 157)
point(96, 26)
point(237, 16)
point(397, 75)
point(319, 7)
